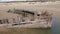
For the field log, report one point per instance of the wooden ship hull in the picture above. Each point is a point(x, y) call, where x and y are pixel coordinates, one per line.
point(29, 19)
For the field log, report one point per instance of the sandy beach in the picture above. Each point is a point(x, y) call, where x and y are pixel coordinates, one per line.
point(53, 7)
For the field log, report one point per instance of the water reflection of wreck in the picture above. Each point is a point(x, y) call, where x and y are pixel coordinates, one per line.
point(30, 19)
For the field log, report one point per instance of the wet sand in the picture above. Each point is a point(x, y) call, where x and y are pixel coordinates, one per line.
point(24, 31)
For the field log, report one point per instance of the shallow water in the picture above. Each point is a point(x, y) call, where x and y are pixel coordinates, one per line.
point(54, 30)
point(56, 26)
